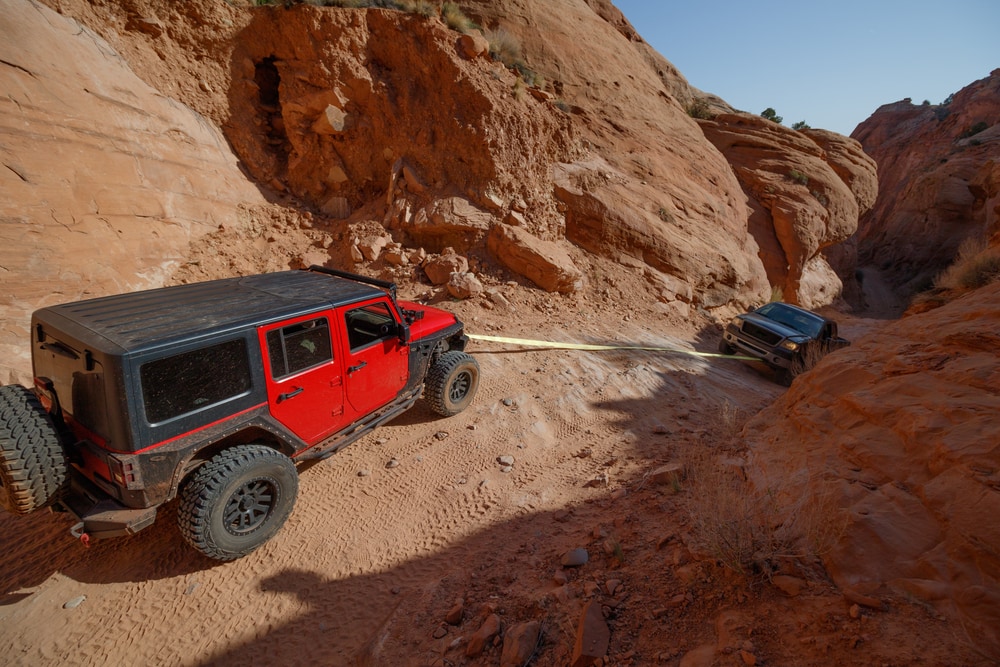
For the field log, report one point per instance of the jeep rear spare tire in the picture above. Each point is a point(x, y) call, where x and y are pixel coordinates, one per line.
point(33, 470)
point(238, 501)
point(451, 383)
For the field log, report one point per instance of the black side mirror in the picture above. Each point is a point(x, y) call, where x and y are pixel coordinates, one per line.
point(403, 331)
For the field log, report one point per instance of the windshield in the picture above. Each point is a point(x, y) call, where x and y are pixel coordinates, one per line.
point(799, 320)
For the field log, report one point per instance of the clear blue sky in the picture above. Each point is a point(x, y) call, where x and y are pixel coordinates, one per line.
point(830, 64)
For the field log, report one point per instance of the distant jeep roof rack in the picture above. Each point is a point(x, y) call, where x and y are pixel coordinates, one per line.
point(384, 284)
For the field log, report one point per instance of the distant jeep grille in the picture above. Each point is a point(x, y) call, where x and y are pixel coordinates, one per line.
point(761, 334)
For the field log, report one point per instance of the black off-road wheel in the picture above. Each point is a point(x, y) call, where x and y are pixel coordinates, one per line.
point(726, 348)
point(238, 501)
point(451, 383)
point(33, 467)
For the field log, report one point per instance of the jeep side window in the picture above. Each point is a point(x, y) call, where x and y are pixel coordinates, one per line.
point(368, 324)
point(174, 386)
point(298, 347)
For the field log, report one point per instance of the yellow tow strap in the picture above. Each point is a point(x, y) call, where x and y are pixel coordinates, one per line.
point(585, 346)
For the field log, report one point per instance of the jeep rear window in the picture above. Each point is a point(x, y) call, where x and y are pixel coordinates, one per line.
point(192, 380)
point(298, 347)
point(368, 324)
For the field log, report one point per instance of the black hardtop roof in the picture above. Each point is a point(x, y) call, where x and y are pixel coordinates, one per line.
point(151, 318)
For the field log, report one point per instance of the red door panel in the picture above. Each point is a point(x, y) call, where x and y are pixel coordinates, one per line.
point(305, 382)
point(376, 361)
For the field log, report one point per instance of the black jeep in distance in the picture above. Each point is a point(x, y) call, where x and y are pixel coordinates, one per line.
point(787, 338)
point(213, 392)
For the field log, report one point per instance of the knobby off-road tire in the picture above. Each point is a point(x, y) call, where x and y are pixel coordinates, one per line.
point(33, 467)
point(237, 501)
point(451, 383)
point(726, 348)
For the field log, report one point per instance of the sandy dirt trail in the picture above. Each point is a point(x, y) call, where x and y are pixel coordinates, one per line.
point(391, 532)
point(380, 527)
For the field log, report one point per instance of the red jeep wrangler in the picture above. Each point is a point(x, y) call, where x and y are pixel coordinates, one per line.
point(212, 391)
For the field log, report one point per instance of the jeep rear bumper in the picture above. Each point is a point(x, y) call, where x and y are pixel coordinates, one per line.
point(99, 516)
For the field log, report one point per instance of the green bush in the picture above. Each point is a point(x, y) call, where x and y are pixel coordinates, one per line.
point(974, 129)
point(798, 177)
point(801, 125)
point(771, 115)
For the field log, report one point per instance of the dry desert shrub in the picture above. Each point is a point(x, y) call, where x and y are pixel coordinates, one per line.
point(976, 265)
point(455, 19)
point(504, 46)
point(421, 7)
point(751, 529)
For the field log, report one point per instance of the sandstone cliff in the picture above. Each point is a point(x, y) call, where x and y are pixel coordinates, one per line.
point(806, 190)
point(939, 182)
point(106, 182)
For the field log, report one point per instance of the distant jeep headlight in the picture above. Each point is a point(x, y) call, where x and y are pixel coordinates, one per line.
point(790, 345)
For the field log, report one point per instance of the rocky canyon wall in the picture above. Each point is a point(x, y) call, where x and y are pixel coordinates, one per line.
point(106, 182)
point(939, 182)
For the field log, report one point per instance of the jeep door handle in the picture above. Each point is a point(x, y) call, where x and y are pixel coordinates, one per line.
point(352, 369)
point(291, 394)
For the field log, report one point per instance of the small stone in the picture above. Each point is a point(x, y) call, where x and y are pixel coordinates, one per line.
point(612, 585)
point(575, 557)
point(592, 636)
point(441, 435)
point(364, 473)
point(483, 636)
point(506, 460)
point(454, 615)
point(855, 611)
point(863, 600)
point(584, 453)
point(464, 285)
point(440, 631)
point(506, 468)
point(75, 602)
point(749, 659)
point(393, 463)
point(598, 482)
point(669, 474)
point(192, 588)
point(519, 644)
point(790, 586)
point(560, 578)
point(508, 402)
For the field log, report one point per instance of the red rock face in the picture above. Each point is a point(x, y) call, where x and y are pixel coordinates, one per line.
point(806, 191)
point(107, 182)
point(938, 182)
point(904, 428)
point(641, 185)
